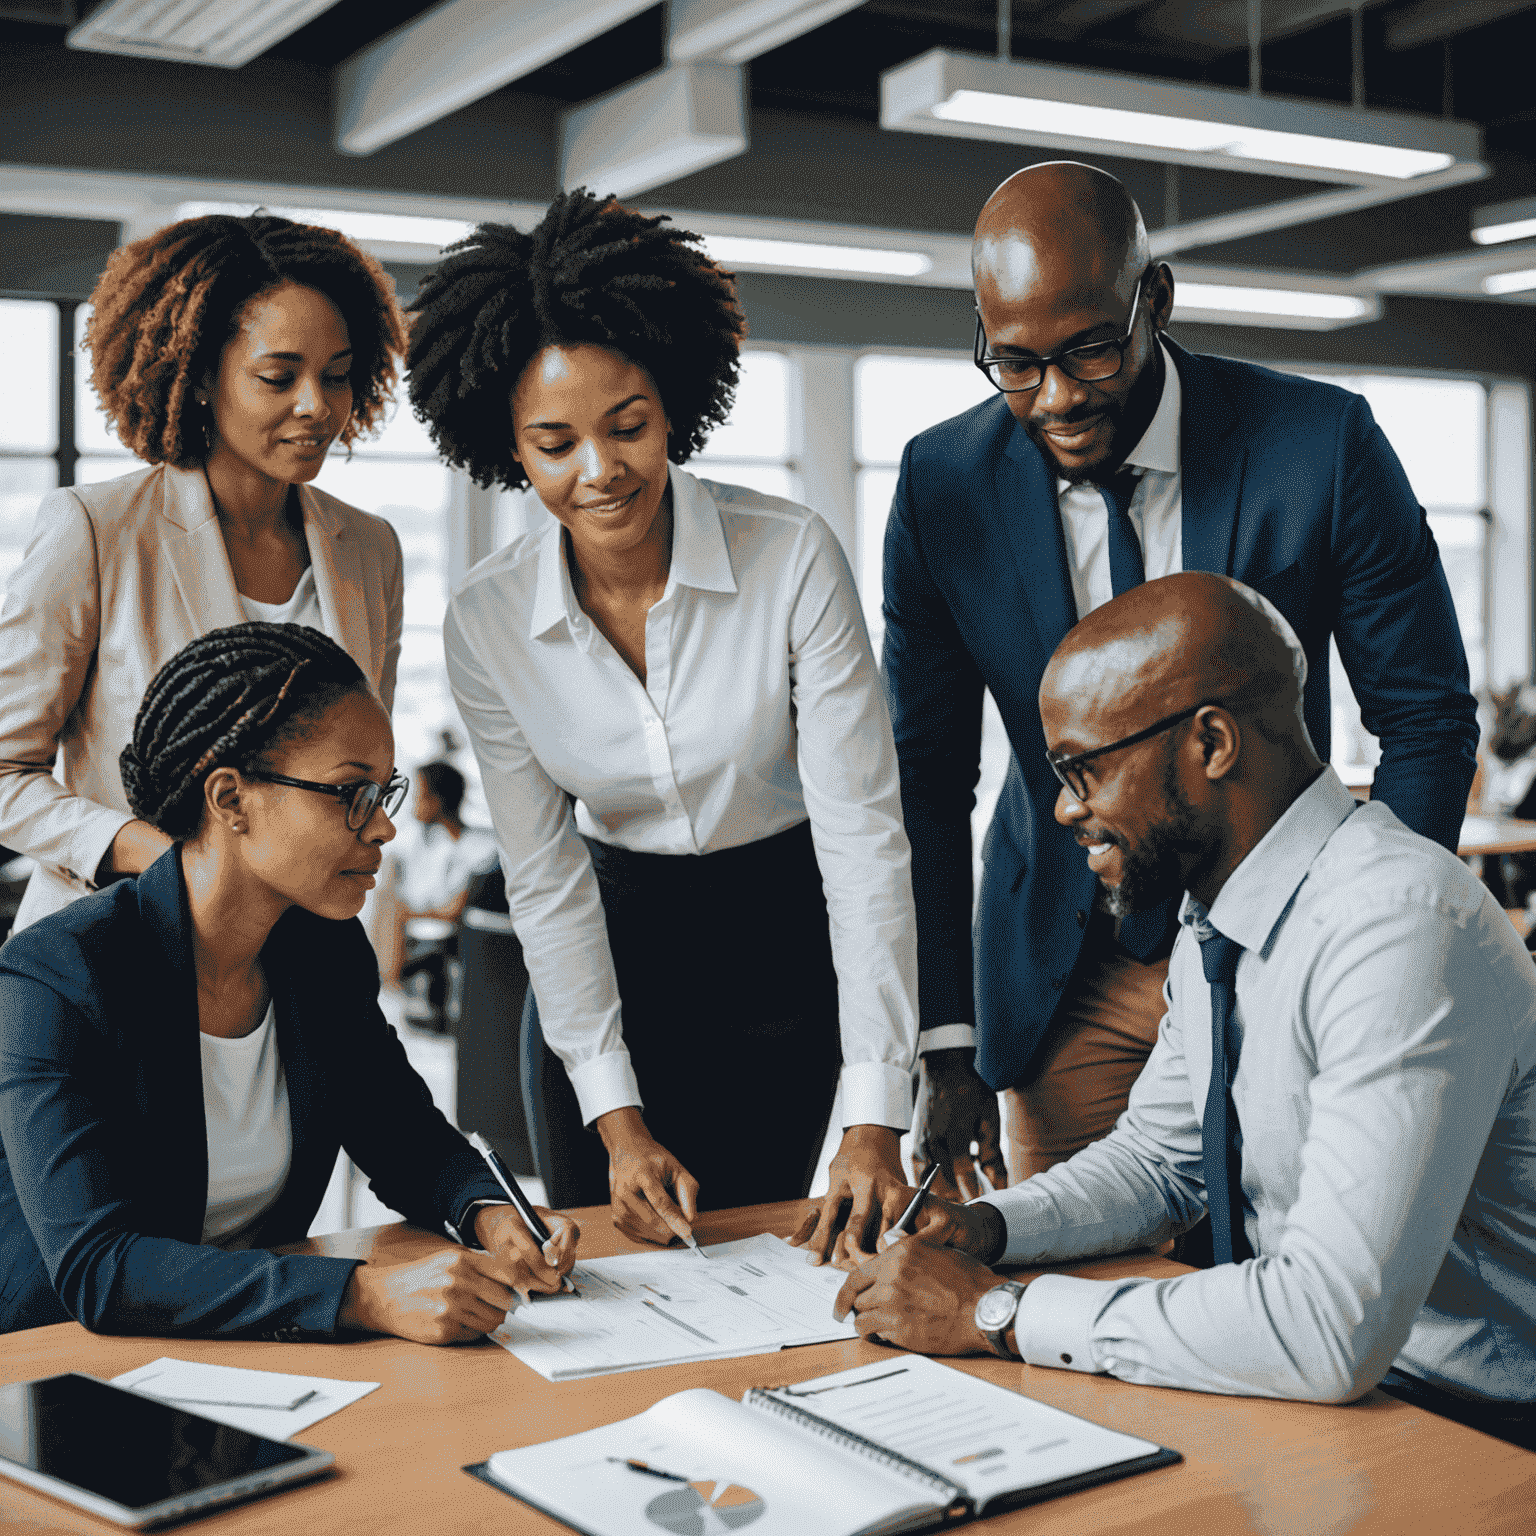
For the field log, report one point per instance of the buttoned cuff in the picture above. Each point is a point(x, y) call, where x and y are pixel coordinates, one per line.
point(946, 1037)
point(1056, 1318)
point(605, 1083)
point(876, 1093)
point(89, 844)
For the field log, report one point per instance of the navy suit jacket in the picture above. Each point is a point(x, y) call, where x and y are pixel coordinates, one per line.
point(104, 1179)
point(1289, 486)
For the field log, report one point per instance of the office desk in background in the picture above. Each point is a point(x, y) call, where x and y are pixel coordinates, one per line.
point(1250, 1465)
point(1483, 836)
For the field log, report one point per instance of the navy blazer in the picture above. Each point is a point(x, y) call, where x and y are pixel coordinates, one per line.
point(104, 1179)
point(1289, 486)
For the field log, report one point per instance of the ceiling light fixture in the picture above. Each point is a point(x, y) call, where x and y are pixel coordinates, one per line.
point(805, 256)
point(1510, 282)
point(738, 30)
point(1499, 222)
point(1049, 106)
point(228, 33)
point(1268, 306)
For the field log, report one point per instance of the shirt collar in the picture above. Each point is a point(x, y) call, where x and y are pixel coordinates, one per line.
point(1159, 445)
point(1258, 892)
point(700, 558)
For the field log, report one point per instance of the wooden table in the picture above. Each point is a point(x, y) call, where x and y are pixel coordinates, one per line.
point(1483, 836)
point(1280, 1469)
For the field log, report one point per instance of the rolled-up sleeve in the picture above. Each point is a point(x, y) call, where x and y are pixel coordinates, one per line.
point(552, 892)
point(852, 788)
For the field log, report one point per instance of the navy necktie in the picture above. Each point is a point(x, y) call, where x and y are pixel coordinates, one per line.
point(1220, 1135)
point(1125, 563)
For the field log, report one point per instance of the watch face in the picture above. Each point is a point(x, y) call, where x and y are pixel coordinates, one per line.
point(996, 1308)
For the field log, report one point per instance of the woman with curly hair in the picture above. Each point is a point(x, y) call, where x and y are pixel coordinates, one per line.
point(182, 1054)
point(230, 354)
point(683, 741)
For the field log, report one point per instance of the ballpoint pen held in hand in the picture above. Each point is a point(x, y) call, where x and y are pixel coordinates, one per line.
point(903, 1223)
point(515, 1195)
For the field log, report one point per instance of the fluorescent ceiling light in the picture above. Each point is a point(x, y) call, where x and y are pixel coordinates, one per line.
point(1291, 303)
point(228, 33)
point(1510, 282)
point(1049, 106)
point(657, 129)
point(800, 255)
point(366, 228)
point(1499, 222)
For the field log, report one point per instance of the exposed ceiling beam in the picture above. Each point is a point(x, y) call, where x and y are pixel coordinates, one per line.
point(454, 54)
point(1431, 21)
point(1222, 25)
point(737, 30)
point(657, 129)
point(1079, 16)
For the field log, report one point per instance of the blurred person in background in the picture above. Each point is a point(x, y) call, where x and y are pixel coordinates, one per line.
point(682, 739)
point(230, 354)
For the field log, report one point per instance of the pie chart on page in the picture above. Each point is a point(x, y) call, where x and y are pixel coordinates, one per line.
point(704, 1509)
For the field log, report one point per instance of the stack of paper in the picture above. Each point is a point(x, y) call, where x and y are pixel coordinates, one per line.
point(269, 1403)
point(644, 1309)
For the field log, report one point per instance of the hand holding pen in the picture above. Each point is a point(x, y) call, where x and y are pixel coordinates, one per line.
point(556, 1251)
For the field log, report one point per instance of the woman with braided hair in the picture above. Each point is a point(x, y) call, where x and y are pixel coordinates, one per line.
point(683, 741)
point(230, 354)
point(183, 1053)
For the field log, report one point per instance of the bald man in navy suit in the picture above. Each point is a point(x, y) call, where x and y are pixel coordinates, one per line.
point(1109, 456)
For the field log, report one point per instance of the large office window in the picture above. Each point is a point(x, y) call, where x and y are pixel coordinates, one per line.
point(30, 419)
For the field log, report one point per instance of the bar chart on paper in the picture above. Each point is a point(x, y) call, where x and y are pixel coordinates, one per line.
point(645, 1309)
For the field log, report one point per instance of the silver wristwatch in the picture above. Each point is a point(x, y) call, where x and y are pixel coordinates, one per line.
point(995, 1312)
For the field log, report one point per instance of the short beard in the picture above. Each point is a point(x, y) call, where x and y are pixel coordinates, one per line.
point(1159, 868)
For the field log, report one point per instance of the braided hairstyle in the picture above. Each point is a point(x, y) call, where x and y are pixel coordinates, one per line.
point(591, 272)
point(228, 700)
point(165, 306)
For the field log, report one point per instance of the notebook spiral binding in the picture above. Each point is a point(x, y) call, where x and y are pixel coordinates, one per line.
point(915, 1471)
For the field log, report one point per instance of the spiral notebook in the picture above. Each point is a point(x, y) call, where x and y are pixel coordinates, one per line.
point(905, 1444)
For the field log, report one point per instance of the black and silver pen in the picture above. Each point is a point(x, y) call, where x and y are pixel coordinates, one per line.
point(515, 1195)
point(903, 1223)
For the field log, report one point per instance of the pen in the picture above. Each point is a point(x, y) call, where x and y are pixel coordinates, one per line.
point(650, 1471)
point(903, 1223)
point(514, 1194)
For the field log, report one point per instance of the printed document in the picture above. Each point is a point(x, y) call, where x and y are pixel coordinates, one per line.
point(643, 1309)
point(271, 1403)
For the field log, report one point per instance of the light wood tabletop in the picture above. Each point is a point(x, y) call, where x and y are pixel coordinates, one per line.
point(1483, 836)
point(1277, 1469)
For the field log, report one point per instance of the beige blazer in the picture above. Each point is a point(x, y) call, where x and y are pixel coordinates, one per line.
point(117, 578)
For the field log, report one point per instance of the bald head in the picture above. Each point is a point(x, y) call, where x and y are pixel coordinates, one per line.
point(1172, 643)
point(1060, 227)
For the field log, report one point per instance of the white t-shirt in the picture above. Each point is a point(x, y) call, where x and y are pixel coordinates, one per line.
point(250, 1137)
point(435, 868)
point(303, 607)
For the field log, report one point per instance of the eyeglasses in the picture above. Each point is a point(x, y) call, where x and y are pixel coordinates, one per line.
point(362, 797)
point(1069, 770)
point(1090, 364)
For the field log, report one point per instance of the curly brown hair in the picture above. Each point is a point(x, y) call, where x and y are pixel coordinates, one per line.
point(166, 305)
point(592, 271)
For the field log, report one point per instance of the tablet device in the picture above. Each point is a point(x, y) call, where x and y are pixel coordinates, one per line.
point(133, 1459)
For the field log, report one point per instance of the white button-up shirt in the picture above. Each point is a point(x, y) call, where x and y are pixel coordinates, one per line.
point(1156, 512)
point(1386, 1091)
point(761, 706)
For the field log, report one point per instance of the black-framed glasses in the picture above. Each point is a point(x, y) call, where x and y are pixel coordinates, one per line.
point(1069, 770)
point(1090, 364)
point(362, 797)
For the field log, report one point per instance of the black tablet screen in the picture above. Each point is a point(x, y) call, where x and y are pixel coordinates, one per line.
point(120, 1446)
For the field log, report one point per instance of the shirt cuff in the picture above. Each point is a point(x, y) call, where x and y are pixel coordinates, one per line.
point(605, 1083)
point(946, 1037)
point(464, 1233)
point(876, 1093)
point(89, 845)
point(1056, 1317)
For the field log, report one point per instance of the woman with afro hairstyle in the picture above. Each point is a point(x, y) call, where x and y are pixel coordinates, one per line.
point(230, 354)
point(183, 1053)
point(683, 742)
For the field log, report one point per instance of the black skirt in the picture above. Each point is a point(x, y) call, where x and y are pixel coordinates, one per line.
point(729, 1010)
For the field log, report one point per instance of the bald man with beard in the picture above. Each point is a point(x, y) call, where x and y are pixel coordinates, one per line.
point(1345, 1075)
point(1110, 455)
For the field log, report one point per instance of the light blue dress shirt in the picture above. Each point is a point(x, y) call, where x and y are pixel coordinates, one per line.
point(1387, 1095)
